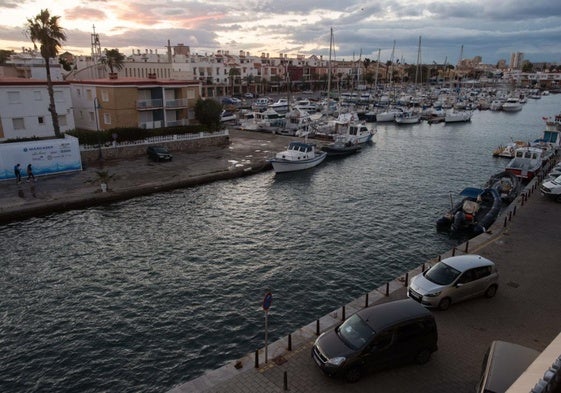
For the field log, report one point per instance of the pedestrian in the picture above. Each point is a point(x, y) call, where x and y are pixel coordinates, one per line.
point(30, 174)
point(17, 172)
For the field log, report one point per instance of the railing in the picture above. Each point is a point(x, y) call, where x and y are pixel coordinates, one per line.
point(174, 123)
point(158, 139)
point(179, 103)
point(149, 104)
point(151, 124)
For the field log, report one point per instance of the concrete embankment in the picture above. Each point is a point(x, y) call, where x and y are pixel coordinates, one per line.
point(245, 154)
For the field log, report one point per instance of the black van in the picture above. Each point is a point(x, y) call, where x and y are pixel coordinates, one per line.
point(380, 336)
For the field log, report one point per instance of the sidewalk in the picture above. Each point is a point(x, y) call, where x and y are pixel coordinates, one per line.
point(526, 310)
point(247, 153)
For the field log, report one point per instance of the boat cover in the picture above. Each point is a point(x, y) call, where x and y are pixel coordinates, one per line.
point(471, 192)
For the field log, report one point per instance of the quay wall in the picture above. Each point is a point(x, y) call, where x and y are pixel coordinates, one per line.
point(128, 151)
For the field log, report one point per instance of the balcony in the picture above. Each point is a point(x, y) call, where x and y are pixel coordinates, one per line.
point(180, 103)
point(149, 104)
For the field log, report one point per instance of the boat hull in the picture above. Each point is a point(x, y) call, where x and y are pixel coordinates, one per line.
point(282, 165)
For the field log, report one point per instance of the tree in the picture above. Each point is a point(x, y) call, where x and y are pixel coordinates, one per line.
point(45, 30)
point(113, 59)
point(207, 112)
point(5, 55)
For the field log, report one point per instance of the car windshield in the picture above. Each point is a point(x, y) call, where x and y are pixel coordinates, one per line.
point(442, 274)
point(355, 332)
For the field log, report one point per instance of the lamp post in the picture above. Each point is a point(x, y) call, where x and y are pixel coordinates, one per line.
point(96, 108)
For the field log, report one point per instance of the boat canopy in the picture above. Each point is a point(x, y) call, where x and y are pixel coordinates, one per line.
point(300, 146)
point(471, 192)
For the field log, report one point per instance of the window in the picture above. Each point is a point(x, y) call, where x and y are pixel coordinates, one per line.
point(107, 118)
point(104, 96)
point(78, 92)
point(89, 94)
point(59, 96)
point(18, 123)
point(13, 97)
point(41, 120)
point(468, 276)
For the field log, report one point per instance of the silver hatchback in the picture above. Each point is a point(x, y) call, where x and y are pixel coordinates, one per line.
point(455, 279)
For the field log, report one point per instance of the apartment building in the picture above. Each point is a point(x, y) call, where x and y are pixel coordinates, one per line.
point(102, 104)
point(24, 108)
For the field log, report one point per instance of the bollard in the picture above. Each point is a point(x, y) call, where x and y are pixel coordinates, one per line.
point(289, 342)
point(514, 210)
point(439, 258)
point(343, 314)
point(257, 358)
point(522, 200)
point(467, 247)
point(366, 301)
point(510, 215)
point(317, 327)
point(285, 381)
point(454, 251)
point(406, 279)
point(387, 289)
point(504, 225)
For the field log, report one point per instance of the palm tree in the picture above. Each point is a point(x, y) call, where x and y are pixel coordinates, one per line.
point(113, 59)
point(45, 30)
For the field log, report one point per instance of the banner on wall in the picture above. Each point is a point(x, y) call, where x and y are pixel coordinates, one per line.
point(46, 157)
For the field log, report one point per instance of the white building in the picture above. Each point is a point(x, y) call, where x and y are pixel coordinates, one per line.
point(24, 108)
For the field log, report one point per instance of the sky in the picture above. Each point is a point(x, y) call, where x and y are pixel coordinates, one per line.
point(446, 29)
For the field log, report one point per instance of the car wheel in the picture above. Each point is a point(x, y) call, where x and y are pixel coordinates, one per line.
point(491, 291)
point(423, 356)
point(353, 374)
point(444, 303)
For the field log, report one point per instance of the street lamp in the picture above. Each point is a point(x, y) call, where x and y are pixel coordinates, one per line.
point(96, 108)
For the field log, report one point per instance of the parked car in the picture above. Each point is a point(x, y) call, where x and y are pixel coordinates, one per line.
point(248, 95)
point(158, 153)
point(455, 279)
point(376, 337)
point(552, 188)
point(502, 364)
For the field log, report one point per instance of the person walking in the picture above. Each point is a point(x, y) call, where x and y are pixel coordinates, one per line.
point(30, 174)
point(17, 173)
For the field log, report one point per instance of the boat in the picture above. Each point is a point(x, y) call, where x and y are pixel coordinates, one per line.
point(527, 162)
point(512, 104)
point(474, 214)
point(507, 185)
point(227, 116)
point(455, 116)
point(408, 117)
point(298, 156)
point(388, 115)
point(306, 105)
point(508, 150)
point(267, 120)
point(341, 148)
point(260, 104)
point(297, 121)
point(281, 106)
point(358, 133)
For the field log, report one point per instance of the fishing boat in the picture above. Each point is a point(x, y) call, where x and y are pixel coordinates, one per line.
point(473, 214)
point(508, 150)
point(408, 117)
point(456, 116)
point(527, 162)
point(298, 156)
point(341, 147)
point(507, 185)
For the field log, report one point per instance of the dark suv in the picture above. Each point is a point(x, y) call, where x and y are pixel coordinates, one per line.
point(380, 336)
point(158, 153)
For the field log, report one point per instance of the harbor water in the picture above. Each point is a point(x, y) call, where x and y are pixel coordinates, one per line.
point(146, 294)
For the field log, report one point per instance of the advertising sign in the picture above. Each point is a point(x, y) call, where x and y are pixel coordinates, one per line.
point(46, 157)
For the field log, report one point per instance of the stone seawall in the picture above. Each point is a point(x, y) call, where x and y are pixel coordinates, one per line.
point(138, 150)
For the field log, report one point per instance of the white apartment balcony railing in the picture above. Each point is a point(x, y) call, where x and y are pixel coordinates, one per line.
point(151, 124)
point(179, 103)
point(149, 104)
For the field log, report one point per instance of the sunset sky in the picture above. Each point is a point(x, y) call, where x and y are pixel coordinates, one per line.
point(492, 29)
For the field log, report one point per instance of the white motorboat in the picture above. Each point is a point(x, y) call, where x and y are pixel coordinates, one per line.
point(455, 116)
point(526, 163)
point(227, 116)
point(298, 156)
point(306, 105)
point(263, 121)
point(281, 106)
point(512, 104)
point(358, 133)
point(408, 117)
point(388, 115)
